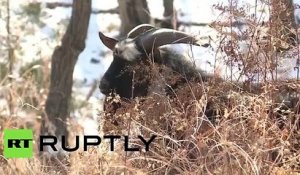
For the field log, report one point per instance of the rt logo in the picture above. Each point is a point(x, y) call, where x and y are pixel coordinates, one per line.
point(18, 143)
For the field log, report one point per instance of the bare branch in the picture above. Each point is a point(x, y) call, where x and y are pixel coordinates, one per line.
point(53, 5)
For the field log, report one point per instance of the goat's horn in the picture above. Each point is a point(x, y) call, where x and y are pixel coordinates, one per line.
point(153, 39)
point(139, 30)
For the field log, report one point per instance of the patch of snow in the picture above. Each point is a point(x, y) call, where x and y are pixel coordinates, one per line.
point(97, 4)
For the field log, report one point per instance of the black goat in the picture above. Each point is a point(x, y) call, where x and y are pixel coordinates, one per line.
point(137, 51)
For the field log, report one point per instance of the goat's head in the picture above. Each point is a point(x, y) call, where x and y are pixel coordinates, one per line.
point(134, 50)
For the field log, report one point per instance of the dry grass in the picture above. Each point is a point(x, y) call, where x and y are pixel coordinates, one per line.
point(216, 128)
point(246, 137)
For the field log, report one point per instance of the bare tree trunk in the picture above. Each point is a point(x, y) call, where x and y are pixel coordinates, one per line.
point(133, 13)
point(62, 66)
point(170, 20)
point(283, 23)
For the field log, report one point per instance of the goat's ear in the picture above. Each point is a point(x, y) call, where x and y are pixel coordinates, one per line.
point(139, 30)
point(107, 41)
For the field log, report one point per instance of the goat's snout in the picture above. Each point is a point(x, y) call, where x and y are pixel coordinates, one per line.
point(105, 86)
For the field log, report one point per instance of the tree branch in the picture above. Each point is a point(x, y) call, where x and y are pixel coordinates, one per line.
point(52, 5)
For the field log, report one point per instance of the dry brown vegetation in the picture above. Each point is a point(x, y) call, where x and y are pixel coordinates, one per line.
point(211, 129)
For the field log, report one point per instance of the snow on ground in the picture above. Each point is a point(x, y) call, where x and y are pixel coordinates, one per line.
point(214, 62)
